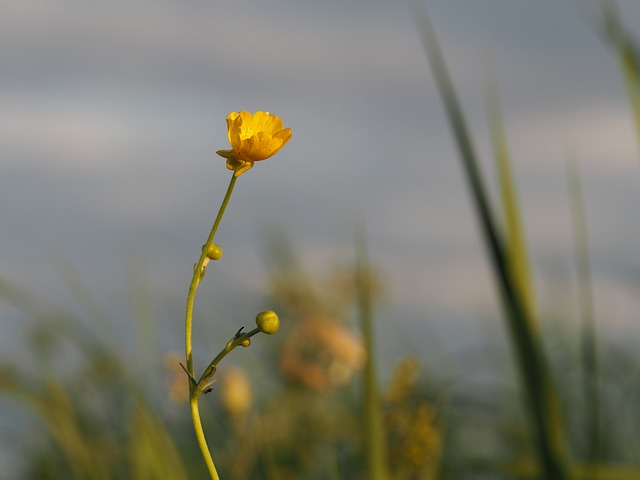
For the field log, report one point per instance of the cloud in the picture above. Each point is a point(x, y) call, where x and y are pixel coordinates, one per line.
point(156, 42)
point(112, 113)
point(54, 134)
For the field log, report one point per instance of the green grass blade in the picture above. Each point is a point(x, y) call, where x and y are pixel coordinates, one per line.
point(531, 362)
point(515, 237)
point(628, 54)
point(373, 422)
point(152, 452)
point(144, 316)
point(585, 293)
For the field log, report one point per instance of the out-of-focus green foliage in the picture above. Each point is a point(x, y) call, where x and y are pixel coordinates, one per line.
point(298, 417)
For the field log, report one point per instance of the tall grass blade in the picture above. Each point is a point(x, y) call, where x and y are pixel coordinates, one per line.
point(144, 316)
point(515, 237)
point(628, 54)
point(585, 292)
point(88, 304)
point(516, 250)
point(376, 450)
point(531, 362)
point(80, 448)
point(152, 453)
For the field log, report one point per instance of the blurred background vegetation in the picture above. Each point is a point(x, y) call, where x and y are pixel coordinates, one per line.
point(560, 401)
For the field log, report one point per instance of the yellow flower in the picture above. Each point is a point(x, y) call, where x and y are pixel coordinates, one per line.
point(253, 137)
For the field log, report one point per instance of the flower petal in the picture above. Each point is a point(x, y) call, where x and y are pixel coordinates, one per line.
point(234, 124)
point(265, 122)
point(253, 137)
point(260, 146)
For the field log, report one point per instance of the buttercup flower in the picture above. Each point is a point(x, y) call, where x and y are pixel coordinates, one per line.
point(253, 137)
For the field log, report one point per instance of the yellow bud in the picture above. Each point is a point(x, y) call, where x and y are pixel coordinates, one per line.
point(246, 342)
point(268, 322)
point(214, 252)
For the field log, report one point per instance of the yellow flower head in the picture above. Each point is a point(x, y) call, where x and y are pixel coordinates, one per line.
point(253, 137)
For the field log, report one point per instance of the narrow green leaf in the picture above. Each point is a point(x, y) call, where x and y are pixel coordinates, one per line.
point(542, 408)
point(515, 237)
point(372, 409)
point(588, 334)
point(628, 54)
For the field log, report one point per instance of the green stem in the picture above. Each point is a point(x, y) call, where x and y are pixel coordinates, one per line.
point(372, 408)
point(194, 391)
point(585, 293)
point(202, 441)
point(231, 344)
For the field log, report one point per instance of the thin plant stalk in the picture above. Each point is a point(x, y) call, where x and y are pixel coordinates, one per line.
point(615, 34)
point(195, 389)
point(515, 237)
point(585, 293)
point(527, 347)
point(372, 409)
point(628, 54)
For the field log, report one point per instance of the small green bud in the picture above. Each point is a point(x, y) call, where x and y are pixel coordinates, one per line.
point(214, 252)
point(268, 322)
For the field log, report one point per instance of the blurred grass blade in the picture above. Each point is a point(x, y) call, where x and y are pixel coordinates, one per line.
point(585, 293)
point(628, 56)
point(78, 288)
point(516, 250)
point(607, 472)
point(603, 471)
point(531, 362)
point(80, 448)
point(515, 238)
point(80, 291)
point(152, 453)
point(373, 423)
point(144, 316)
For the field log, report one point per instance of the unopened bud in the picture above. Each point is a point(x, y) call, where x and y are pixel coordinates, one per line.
point(214, 252)
point(268, 322)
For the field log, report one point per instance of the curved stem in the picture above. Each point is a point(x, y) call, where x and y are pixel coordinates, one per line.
point(195, 281)
point(202, 442)
point(194, 391)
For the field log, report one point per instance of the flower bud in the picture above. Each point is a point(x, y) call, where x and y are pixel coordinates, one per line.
point(246, 342)
point(214, 252)
point(268, 322)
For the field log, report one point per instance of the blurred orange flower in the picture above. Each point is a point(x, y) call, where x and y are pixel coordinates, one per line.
point(321, 354)
point(253, 137)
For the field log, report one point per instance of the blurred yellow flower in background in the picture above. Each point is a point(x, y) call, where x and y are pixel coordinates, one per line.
point(253, 137)
point(415, 434)
point(237, 394)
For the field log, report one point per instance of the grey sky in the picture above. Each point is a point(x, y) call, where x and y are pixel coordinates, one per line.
point(111, 114)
